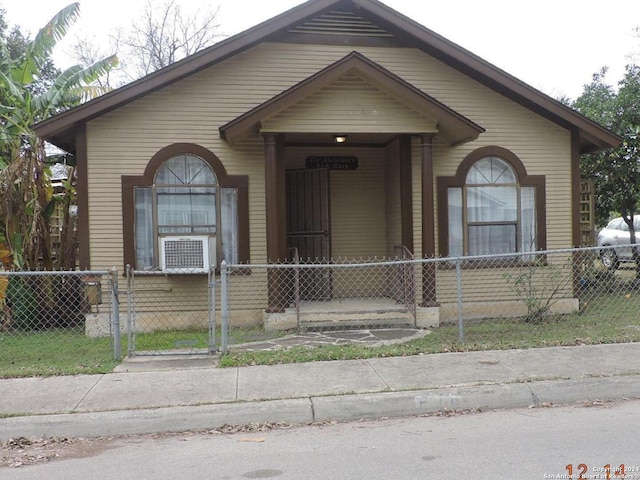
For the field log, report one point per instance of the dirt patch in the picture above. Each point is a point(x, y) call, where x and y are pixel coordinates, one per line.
point(21, 452)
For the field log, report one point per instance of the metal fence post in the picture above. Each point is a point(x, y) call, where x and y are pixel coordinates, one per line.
point(459, 289)
point(296, 286)
point(212, 310)
point(130, 346)
point(115, 319)
point(224, 277)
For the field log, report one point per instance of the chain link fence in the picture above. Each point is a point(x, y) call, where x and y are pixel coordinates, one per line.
point(496, 297)
point(562, 296)
point(323, 294)
point(51, 319)
point(170, 313)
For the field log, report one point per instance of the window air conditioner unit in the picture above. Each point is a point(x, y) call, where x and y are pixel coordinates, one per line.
point(184, 254)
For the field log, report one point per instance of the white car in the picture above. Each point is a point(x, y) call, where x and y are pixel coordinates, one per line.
point(616, 235)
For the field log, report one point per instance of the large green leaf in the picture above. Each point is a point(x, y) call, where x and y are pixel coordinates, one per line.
point(42, 45)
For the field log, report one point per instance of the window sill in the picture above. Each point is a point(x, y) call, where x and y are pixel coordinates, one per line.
point(175, 273)
point(167, 273)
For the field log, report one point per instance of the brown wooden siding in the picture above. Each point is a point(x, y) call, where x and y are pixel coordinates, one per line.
point(349, 104)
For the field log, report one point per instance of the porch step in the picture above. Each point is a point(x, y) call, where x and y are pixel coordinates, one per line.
point(356, 324)
point(342, 313)
point(390, 317)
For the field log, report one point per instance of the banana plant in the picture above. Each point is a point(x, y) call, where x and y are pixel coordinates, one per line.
point(26, 196)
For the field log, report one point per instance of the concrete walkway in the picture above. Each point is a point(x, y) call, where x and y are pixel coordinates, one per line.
point(364, 337)
point(150, 395)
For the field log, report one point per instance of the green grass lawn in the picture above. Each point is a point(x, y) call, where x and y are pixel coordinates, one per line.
point(602, 321)
point(62, 352)
point(50, 353)
point(605, 318)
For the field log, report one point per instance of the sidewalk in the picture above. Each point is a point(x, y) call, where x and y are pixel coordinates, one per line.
point(150, 395)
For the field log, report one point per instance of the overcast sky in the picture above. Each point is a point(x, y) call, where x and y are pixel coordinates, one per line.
point(554, 45)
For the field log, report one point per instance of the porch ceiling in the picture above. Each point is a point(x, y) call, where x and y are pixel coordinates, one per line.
point(385, 106)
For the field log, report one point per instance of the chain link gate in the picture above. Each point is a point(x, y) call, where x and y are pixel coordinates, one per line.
point(171, 314)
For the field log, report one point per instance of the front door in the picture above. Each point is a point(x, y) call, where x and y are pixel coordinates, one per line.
point(308, 228)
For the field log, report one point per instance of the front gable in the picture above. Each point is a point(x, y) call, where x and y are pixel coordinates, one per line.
point(354, 95)
point(349, 104)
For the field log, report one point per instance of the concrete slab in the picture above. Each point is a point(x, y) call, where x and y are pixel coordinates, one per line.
point(307, 379)
point(205, 397)
point(165, 362)
point(44, 395)
point(586, 389)
point(161, 389)
point(442, 370)
point(572, 362)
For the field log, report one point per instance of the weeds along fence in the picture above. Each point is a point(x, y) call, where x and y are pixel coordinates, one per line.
point(48, 316)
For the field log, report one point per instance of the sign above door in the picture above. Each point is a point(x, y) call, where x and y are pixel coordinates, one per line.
point(333, 163)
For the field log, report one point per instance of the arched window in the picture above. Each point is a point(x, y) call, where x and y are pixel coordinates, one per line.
point(188, 214)
point(492, 206)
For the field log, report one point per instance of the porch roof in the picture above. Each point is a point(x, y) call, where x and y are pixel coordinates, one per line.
point(451, 127)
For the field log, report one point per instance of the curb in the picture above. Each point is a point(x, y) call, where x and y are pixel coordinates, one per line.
point(320, 408)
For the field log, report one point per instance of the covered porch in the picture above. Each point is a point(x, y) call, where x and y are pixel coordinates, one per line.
point(352, 142)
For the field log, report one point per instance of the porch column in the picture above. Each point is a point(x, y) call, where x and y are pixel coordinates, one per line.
point(275, 222)
point(406, 194)
point(428, 222)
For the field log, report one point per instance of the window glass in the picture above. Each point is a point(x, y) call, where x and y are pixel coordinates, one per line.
point(143, 228)
point(186, 170)
point(229, 224)
point(491, 213)
point(456, 234)
point(186, 210)
point(491, 170)
point(528, 215)
point(492, 239)
point(492, 204)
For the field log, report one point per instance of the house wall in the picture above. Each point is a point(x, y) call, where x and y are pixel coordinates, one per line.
point(192, 110)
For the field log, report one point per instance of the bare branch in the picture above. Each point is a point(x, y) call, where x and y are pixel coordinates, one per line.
point(165, 35)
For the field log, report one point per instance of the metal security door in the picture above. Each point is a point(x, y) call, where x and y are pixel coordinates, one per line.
point(308, 228)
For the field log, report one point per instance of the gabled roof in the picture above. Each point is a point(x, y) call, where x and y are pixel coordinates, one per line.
point(354, 18)
point(451, 126)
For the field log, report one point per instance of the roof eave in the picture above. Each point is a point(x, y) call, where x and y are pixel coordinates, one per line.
point(50, 128)
point(426, 39)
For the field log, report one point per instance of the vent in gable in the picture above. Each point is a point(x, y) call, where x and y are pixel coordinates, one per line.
point(340, 22)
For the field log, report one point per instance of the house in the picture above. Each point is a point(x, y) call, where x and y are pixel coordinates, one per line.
point(369, 128)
